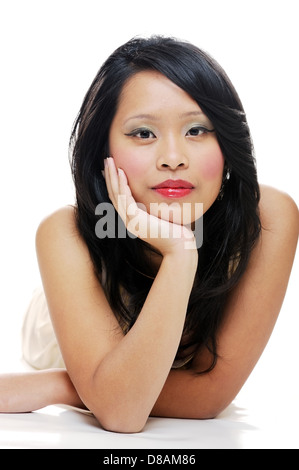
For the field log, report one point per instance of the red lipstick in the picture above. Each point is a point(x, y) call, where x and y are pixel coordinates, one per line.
point(174, 188)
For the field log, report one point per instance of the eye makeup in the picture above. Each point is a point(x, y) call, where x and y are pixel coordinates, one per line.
point(197, 130)
point(141, 132)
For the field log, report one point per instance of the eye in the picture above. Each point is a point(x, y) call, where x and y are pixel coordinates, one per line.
point(198, 131)
point(142, 133)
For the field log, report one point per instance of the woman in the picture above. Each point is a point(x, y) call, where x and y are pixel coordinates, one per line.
point(163, 307)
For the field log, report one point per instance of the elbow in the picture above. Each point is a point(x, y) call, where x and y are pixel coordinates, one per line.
point(121, 425)
point(122, 428)
point(208, 414)
point(120, 421)
point(115, 413)
point(212, 410)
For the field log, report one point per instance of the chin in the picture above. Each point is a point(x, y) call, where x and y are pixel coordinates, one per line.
point(177, 213)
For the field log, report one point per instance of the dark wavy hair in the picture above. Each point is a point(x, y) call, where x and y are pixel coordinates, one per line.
point(231, 226)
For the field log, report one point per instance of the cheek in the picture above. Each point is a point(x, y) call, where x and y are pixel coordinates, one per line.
point(212, 165)
point(123, 155)
point(133, 167)
point(129, 164)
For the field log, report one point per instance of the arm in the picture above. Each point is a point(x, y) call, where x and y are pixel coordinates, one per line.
point(29, 391)
point(250, 316)
point(119, 378)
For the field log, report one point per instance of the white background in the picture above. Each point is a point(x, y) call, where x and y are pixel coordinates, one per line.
point(51, 51)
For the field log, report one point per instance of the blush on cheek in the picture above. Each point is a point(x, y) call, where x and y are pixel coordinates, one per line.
point(212, 166)
point(128, 164)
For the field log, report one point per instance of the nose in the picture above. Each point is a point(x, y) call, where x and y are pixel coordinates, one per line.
point(171, 155)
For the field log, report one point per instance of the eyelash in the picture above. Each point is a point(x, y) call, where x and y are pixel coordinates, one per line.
point(135, 132)
point(201, 128)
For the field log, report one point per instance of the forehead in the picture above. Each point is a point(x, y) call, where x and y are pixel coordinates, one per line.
point(152, 90)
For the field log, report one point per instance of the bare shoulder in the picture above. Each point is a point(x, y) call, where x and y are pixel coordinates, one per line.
point(63, 219)
point(59, 242)
point(275, 252)
point(279, 212)
point(60, 228)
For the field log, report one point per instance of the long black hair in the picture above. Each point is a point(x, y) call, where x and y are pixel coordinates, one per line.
point(231, 226)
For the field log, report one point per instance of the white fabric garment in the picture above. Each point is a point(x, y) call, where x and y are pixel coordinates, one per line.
point(39, 344)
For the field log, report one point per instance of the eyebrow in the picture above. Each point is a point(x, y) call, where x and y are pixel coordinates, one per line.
point(142, 116)
point(152, 117)
point(191, 113)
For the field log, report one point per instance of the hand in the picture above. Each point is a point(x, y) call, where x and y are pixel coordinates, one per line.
point(28, 391)
point(165, 236)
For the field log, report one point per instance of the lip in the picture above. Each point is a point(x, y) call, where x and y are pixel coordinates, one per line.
point(174, 188)
point(174, 184)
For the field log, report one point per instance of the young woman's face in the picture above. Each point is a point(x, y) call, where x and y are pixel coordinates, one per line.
point(159, 138)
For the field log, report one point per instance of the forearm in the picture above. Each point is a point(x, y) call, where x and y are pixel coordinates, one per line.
point(130, 378)
point(29, 391)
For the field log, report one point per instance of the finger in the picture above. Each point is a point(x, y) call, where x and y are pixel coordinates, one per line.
point(124, 188)
point(111, 179)
point(107, 178)
point(126, 203)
